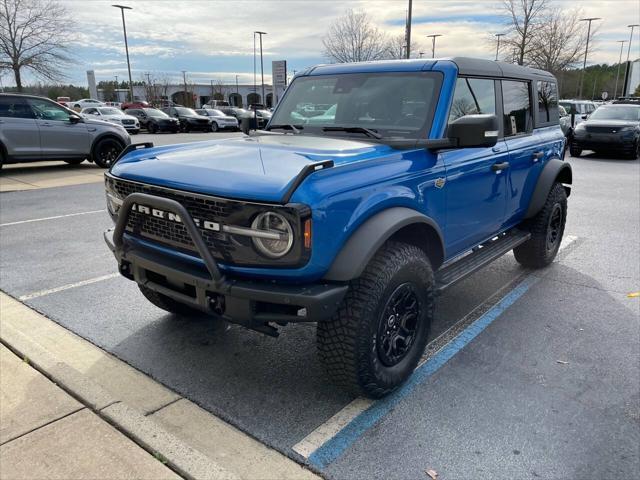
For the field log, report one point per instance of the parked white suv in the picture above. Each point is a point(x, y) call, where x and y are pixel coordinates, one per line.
point(35, 129)
point(113, 115)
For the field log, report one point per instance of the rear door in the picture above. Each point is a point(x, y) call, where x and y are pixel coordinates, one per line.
point(59, 136)
point(18, 128)
point(475, 189)
point(526, 149)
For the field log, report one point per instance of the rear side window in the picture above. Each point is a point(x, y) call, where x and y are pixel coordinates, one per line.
point(517, 108)
point(15, 107)
point(547, 103)
point(473, 96)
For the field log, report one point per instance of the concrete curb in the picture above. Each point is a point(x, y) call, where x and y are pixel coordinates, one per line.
point(180, 457)
point(193, 442)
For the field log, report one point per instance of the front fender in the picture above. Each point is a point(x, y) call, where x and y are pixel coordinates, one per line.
point(371, 235)
point(554, 171)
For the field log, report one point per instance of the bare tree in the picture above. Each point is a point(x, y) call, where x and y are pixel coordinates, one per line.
point(559, 42)
point(218, 90)
point(524, 18)
point(397, 48)
point(353, 38)
point(33, 36)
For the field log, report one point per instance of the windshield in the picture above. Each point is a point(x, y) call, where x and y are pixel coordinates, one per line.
point(392, 104)
point(630, 113)
point(186, 111)
point(110, 111)
point(152, 112)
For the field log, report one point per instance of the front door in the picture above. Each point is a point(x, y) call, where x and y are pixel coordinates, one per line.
point(19, 129)
point(475, 182)
point(59, 137)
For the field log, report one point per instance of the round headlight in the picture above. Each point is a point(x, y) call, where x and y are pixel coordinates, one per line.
point(274, 236)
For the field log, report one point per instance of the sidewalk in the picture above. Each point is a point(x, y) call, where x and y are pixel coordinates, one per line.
point(70, 410)
point(45, 433)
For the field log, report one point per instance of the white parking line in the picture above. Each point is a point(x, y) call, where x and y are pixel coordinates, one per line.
point(42, 293)
point(51, 218)
point(336, 423)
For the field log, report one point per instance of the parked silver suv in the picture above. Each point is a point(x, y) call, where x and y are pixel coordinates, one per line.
point(35, 129)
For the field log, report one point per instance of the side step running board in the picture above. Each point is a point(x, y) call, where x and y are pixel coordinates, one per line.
point(486, 253)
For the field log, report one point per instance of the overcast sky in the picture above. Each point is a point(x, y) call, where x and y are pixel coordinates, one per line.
point(214, 39)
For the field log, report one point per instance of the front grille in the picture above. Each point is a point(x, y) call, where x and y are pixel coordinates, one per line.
point(594, 129)
point(175, 234)
point(128, 122)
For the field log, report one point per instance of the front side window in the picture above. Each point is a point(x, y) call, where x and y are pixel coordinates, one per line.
point(473, 96)
point(517, 108)
point(47, 110)
point(392, 104)
point(547, 102)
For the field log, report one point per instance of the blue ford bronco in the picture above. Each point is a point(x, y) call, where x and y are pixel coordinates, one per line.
point(373, 187)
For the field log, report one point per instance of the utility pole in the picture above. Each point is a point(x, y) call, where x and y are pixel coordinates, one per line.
point(586, 51)
point(626, 69)
point(184, 79)
point(255, 88)
point(126, 47)
point(263, 101)
point(148, 75)
point(117, 87)
point(498, 35)
point(408, 29)
point(237, 84)
point(433, 43)
point(621, 42)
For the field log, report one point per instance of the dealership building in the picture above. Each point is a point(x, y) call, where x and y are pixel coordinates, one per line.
point(199, 94)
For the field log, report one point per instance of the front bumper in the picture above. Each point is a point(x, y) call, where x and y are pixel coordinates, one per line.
point(603, 141)
point(249, 303)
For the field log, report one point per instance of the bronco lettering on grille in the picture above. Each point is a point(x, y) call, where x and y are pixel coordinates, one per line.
point(173, 217)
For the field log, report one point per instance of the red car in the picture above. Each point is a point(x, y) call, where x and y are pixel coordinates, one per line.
point(136, 104)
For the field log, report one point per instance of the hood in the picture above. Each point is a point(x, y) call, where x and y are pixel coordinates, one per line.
point(609, 123)
point(89, 120)
point(257, 168)
point(120, 117)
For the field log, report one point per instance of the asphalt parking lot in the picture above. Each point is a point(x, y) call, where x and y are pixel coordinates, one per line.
point(543, 380)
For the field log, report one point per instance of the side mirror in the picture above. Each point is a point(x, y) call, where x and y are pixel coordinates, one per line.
point(584, 117)
point(474, 131)
point(74, 119)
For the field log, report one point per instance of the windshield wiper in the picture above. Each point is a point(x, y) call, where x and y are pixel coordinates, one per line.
point(294, 128)
point(367, 131)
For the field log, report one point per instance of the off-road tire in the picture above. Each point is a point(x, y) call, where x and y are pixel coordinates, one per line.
point(75, 161)
point(106, 151)
point(348, 343)
point(540, 250)
point(168, 304)
point(574, 150)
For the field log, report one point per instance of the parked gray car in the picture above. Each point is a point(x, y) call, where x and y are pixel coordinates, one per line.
point(35, 129)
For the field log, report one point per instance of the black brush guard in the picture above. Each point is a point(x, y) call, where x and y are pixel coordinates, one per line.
point(252, 304)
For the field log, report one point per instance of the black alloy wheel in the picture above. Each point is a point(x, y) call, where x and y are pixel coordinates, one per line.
point(555, 227)
point(106, 152)
point(398, 324)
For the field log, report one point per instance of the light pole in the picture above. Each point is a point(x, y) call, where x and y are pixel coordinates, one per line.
point(408, 29)
point(586, 51)
point(264, 102)
point(498, 35)
point(621, 42)
point(421, 54)
point(626, 68)
point(126, 47)
point(184, 79)
point(433, 43)
point(255, 88)
point(117, 86)
point(237, 85)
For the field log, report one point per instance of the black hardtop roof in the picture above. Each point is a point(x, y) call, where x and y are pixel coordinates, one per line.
point(491, 68)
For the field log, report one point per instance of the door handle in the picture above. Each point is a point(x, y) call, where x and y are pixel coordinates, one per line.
point(496, 149)
point(498, 167)
point(537, 156)
point(45, 124)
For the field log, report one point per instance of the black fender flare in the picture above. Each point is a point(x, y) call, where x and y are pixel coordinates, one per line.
point(555, 170)
point(374, 232)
